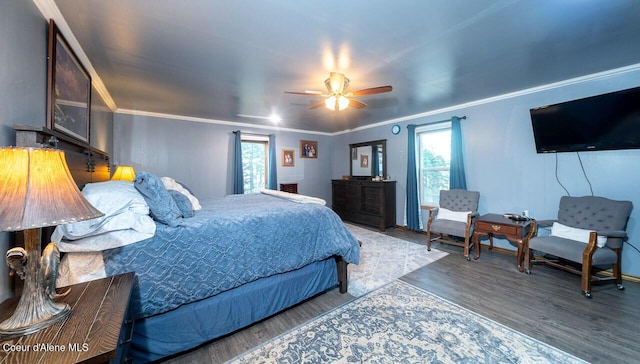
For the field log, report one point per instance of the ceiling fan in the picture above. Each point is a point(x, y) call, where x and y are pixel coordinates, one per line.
point(338, 97)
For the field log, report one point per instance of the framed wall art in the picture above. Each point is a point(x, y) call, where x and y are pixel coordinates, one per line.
point(308, 149)
point(288, 158)
point(68, 89)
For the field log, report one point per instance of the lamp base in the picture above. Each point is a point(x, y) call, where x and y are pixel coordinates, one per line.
point(36, 310)
point(12, 327)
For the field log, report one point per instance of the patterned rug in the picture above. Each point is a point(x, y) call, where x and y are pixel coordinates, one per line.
point(384, 258)
point(400, 323)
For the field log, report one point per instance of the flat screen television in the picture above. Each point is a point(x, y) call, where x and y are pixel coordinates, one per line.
point(603, 122)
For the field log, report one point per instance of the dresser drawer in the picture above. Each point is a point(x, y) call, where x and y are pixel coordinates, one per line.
point(496, 228)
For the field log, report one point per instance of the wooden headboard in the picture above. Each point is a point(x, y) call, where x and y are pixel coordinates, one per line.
point(86, 163)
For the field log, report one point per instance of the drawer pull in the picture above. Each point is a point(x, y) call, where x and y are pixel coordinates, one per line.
point(496, 227)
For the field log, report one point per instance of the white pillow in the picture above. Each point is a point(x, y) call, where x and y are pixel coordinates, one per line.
point(445, 214)
point(123, 208)
point(171, 184)
point(105, 241)
point(581, 235)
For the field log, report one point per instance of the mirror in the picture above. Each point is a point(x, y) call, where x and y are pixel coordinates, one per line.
point(368, 159)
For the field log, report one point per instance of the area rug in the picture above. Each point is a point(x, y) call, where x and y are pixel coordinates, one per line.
point(400, 323)
point(384, 258)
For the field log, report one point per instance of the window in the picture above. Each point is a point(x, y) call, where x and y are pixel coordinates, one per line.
point(255, 162)
point(434, 156)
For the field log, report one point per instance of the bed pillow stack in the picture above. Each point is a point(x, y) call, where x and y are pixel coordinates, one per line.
point(126, 219)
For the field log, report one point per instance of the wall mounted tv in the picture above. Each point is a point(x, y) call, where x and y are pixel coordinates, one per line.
point(603, 122)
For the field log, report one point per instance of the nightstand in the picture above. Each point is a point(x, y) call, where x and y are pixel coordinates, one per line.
point(517, 232)
point(98, 329)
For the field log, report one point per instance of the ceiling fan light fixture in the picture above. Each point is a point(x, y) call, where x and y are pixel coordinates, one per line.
point(337, 103)
point(336, 83)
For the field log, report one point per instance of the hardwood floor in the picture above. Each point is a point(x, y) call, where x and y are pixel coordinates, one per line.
point(546, 305)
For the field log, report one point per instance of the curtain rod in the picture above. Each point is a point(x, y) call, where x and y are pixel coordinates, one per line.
point(464, 117)
point(248, 133)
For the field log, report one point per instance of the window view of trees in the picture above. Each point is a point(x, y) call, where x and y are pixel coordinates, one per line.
point(254, 165)
point(434, 155)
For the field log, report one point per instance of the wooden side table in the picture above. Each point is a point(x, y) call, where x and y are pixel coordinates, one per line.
point(517, 232)
point(97, 330)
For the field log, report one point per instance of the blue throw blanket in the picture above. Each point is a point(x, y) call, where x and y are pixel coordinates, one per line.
point(231, 241)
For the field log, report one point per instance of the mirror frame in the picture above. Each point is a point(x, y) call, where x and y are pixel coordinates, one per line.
point(365, 144)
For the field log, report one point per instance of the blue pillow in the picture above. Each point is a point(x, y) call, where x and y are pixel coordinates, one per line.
point(183, 203)
point(161, 205)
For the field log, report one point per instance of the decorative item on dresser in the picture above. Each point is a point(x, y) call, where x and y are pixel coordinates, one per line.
point(366, 202)
point(37, 191)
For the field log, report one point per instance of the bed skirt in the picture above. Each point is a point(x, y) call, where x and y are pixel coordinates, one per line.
point(196, 323)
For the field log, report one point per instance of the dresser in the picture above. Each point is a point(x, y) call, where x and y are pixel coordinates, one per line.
point(365, 202)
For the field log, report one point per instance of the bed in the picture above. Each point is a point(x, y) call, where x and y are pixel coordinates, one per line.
point(237, 260)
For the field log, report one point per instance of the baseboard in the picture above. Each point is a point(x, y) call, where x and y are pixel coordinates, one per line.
point(609, 273)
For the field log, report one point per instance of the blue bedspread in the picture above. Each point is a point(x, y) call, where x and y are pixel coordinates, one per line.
point(231, 241)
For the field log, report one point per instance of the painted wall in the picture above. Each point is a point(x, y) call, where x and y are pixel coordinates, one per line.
point(23, 79)
point(199, 154)
point(502, 163)
point(23, 92)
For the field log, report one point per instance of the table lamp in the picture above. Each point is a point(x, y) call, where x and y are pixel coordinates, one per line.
point(37, 190)
point(124, 173)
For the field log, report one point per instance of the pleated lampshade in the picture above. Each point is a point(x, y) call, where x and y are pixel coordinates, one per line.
point(124, 173)
point(37, 190)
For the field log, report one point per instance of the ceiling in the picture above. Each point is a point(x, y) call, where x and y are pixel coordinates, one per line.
point(231, 61)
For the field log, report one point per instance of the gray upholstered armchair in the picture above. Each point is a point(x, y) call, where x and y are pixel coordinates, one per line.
point(589, 231)
point(453, 217)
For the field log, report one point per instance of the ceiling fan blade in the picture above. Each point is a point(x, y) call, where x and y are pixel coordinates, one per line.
point(306, 93)
point(315, 106)
point(372, 91)
point(357, 104)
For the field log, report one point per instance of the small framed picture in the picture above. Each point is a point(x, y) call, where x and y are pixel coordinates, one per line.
point(308, 149)
point(288, 158)
point(364, 161)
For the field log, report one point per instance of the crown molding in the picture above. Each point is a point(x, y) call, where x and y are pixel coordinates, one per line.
point(510, 95)
point(214, 121)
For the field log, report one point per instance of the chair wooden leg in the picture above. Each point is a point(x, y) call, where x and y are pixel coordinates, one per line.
point(428, 240)
point(617, 270)
point(585, 284)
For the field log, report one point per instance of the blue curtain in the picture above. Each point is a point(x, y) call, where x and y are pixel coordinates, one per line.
point(413, 200)
point(273, 164)
point(238, 178)
point(457, 179)
point(375, 160)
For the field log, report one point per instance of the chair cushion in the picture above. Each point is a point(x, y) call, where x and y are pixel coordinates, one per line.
point(581, 235)
point(448, 227)
point(571, 249)
point(446, 214)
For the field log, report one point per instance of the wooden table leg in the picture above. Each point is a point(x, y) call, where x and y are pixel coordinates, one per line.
point(476, 244)
point(519, 255)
